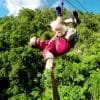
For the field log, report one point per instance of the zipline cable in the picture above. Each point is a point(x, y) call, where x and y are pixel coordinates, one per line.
point(62, 4)
point(74, 6)
point(81, 5)
point(66, 1)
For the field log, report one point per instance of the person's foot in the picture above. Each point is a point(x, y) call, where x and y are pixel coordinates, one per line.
point(75, 18)
point(58, 11)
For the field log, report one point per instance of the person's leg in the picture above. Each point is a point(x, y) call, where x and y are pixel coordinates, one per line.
point(70, 20)
point(59, 18)
point(58, 11)
point(74, 19)
point(70, 34)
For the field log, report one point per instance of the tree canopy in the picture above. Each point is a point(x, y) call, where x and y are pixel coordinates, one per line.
point(22, 72)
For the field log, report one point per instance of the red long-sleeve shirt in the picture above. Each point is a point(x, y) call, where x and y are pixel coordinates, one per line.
point(57, 47)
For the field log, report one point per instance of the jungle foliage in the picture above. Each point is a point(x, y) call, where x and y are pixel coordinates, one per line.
point(22, 72)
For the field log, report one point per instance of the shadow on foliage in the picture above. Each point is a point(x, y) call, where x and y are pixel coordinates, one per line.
point(3, 96)
point(80, 83)
point(24, 80)
point(4, 84)
point(85, 73)
point(87, 95)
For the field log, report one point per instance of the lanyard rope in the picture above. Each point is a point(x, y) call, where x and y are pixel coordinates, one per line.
point(62, 4)
point(54, 88)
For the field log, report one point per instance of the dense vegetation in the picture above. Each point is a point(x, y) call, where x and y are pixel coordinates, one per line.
point(22, 74)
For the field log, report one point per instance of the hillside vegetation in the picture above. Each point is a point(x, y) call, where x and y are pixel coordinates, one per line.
point(22, 72)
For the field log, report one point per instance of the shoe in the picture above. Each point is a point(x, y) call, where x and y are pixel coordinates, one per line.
point(75, 18)
point(58, 11)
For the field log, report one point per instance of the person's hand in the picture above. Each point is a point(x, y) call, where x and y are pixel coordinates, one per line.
point(31, 43)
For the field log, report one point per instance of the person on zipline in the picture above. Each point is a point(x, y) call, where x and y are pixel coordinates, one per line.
point(62, 41)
